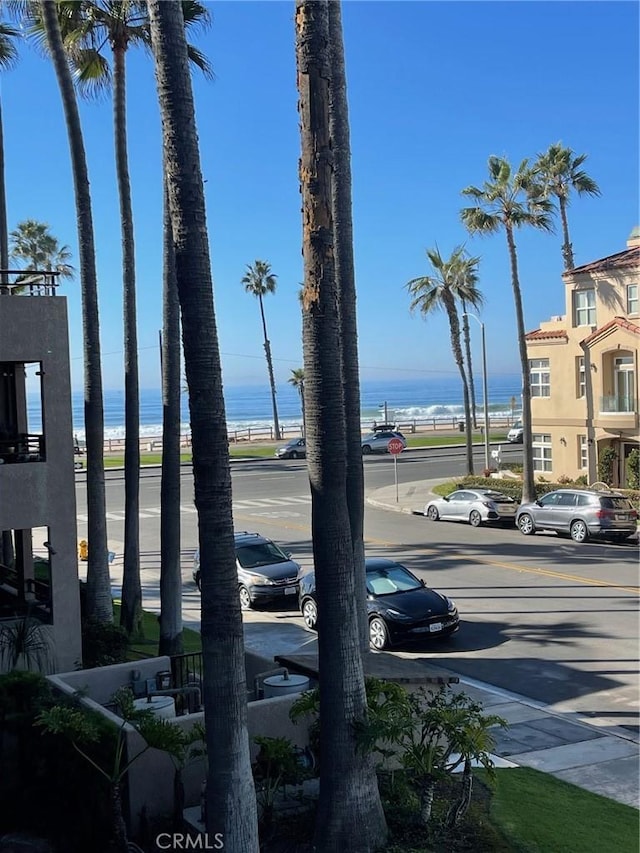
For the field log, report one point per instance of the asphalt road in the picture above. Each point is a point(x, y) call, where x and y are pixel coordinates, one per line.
point(543, 617)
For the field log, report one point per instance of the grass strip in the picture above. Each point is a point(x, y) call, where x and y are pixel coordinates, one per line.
point(539, 813)
point(148, 646)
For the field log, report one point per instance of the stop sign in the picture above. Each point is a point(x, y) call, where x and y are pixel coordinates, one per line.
point(395, 446)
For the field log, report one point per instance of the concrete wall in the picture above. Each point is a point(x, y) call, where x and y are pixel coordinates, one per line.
point(42, 494)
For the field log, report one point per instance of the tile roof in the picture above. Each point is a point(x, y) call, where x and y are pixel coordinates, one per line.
point(622, 260)
point(620, 322)
point(541, 335)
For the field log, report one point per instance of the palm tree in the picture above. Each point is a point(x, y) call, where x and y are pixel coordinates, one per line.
point(35, 248)
point(512, 200)
point(99, 602)
point(297, 380)
point(345, 279)
point(8, 57)
point(560, 172)
point(259, 280)
point(349, 814)
point(87, 31)
point(466, 335)
point(170, 568)
point(454, 279)
point(231, 799)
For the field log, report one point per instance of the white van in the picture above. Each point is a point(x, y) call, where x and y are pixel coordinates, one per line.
point(515, 433)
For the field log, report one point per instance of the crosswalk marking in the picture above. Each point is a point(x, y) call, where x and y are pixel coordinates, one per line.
point(189, 509)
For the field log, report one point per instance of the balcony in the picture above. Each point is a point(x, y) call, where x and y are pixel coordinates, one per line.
point(21, 283)
point(23, 447)
point(617, 404)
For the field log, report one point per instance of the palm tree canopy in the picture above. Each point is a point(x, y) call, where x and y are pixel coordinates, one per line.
point(8, 49)
point(454, 278)
point(507, 199)
point(560, 172)
point(297, 378)
point(258, 279)
point(33, 245)
point(88, 26)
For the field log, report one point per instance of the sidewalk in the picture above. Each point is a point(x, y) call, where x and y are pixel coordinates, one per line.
point(558, 743)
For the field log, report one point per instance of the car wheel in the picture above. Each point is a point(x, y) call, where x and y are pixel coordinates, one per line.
point(526, 525)
point(294, 455)
point(245, 598)
point(433, 514)
point(366, 450)
point(475, 519)
point(378, 634)
point(309, 613)
point(579, 531)
point(198, 581)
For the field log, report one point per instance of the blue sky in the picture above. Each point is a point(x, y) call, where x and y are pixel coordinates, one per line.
point(434, 89)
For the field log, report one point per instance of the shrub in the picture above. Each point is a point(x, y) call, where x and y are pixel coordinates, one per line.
point(563, 479)
point(606, 460)
point(633, 469)
point(103, 644)
point(582, 480)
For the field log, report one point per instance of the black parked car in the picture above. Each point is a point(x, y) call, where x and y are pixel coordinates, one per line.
point(265, 571)
point(399, 605)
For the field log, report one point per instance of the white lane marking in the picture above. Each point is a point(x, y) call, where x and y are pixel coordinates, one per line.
point(188, 509)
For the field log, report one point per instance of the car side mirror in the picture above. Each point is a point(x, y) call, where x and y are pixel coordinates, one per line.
point(287, 554)
point(445, 497)
point(538, 502)
point(422, 582)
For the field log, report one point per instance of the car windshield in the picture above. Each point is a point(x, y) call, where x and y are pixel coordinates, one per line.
point(498, 497)
point(517, 425)
point(615, 503)
point(260, 554)
point(386, 581)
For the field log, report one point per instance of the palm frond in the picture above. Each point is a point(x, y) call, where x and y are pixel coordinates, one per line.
point(480, 221)
point(199, 59)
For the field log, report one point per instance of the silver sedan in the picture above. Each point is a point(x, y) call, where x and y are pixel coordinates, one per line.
point(477, 506)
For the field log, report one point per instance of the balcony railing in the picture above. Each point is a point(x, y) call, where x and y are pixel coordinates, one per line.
point(23, 447)
point(28, 282)
point(618, 403)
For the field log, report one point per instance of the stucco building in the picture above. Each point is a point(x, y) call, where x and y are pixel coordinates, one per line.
point(583, 370)
point(38, 550)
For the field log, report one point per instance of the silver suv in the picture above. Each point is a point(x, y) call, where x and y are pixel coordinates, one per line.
point(580, 513)
point(265, 571)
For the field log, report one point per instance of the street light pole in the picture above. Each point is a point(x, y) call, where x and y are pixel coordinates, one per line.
point(485, 394)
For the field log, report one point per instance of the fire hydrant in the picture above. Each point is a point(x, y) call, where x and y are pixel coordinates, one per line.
point(83, 550)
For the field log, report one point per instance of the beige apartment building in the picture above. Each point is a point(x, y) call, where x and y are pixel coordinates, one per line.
point(38, 546)
point(584, 370)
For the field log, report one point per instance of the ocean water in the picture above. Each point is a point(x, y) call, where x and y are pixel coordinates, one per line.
point(250, 406)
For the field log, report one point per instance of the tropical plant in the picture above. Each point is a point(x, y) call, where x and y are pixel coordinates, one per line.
point(346, 291)
point(349, 815)
point(35, 248)
point(259, 280)
point(99, 600)
point(8, 57)
point(511, 200)
point(560, 173)
point(297, 380)
point(276, 766)
point(453, 279)
point(25, 645)
point(84, 727)
point(230, 797)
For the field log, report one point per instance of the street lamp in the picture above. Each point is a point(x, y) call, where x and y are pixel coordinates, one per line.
point(384, 405)
point(485, 394)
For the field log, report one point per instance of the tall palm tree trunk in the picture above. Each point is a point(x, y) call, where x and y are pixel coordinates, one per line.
point(467, 348)
point(231, 799)
point(567, 248)
point(346, 287)
point(6, 546)
point(99, 602)
point(528, 484)
point(349, 814)
point(131, 610)
point(454, 326)
point(170, 571)
point(272, 381)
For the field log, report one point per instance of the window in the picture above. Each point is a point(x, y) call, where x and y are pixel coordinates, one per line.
point(539, 377)
point(541, 444)
point(584, 305)
point(580, 377)
point(632, 299)
point(583, 461)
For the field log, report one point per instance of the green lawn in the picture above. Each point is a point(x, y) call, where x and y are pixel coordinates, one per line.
point(151, 629)
point(250, 451)
point(541, 814)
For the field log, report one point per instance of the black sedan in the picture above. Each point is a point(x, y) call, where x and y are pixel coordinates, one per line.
point(399, 605)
